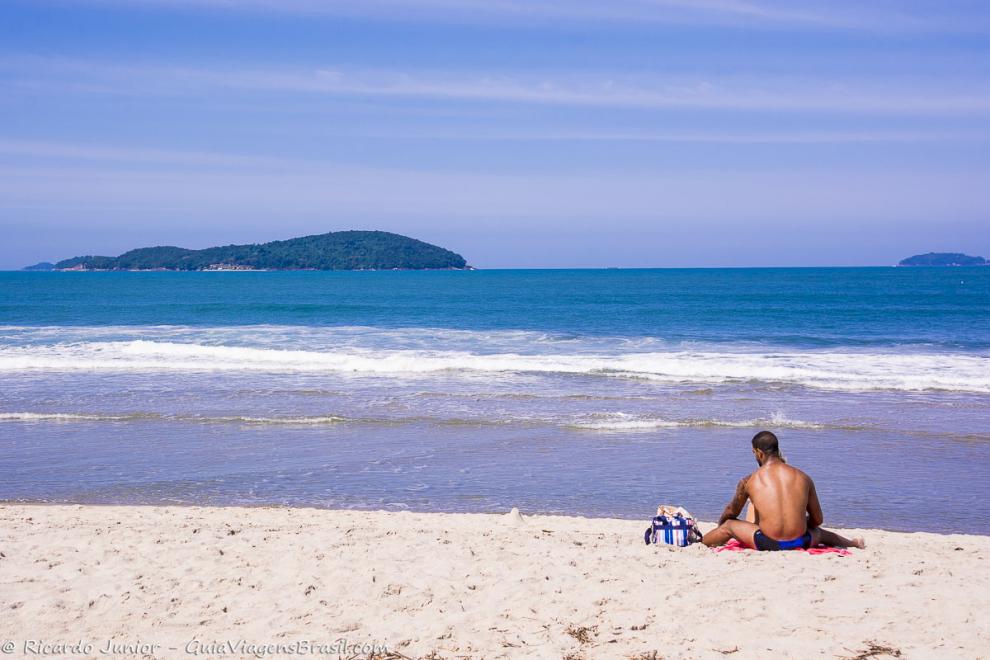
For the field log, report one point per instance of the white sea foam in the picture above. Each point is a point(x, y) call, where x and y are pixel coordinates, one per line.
point(319, 338)
point(59, 417)
point(853, 371)
point(626, 422)
point(313, 420)
point(610, 421)
point(622, 422)
point(317, 420)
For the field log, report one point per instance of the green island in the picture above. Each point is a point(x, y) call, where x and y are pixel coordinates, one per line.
point(341, 250)
point(943, 259)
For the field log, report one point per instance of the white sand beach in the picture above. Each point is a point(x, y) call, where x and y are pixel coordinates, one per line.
point(228, 582)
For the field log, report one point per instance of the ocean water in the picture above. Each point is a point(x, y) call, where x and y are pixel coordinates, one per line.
point(587, 392)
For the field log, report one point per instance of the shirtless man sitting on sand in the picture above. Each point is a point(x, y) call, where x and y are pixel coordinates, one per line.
point(788, 514)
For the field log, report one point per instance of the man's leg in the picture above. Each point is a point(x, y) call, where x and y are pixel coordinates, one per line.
point(739, 530)
point(821, 536)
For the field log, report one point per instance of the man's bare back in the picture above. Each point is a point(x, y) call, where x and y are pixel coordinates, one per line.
point(785, 500)
point(788, 513)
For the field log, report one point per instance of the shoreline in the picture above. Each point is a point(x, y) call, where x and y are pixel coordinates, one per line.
point(468, 585)
point(644, 520)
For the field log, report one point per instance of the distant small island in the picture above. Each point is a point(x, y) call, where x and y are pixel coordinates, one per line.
point(342, 250)
point(44, 265)
point(943, 259)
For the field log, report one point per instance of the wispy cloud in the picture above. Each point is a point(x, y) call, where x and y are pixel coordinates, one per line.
point(839, 14)
point(67, 154)
point(337, 191)
point(740, 137)
point(48, 150)
point(923, 96)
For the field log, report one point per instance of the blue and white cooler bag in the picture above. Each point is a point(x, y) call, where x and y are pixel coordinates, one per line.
point(672, 530)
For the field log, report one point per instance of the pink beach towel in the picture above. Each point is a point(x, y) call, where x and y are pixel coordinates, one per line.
point(735, 546)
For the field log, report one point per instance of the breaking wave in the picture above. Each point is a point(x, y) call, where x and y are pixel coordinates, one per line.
point(626, 422)
point(126, 417)
point(611, 421)
point(847, 371)
point(61, 417)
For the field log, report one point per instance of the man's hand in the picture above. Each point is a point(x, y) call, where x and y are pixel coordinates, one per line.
point(735, 507)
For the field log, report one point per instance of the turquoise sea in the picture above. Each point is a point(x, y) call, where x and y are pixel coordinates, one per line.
point(586, 392)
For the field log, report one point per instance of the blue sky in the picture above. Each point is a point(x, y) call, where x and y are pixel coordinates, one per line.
point(520, 133)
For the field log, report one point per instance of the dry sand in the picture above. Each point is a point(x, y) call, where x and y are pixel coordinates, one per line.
point(479, 586)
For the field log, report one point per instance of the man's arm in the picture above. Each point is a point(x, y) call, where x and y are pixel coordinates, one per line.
point(815, 515)
point(735, 507)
